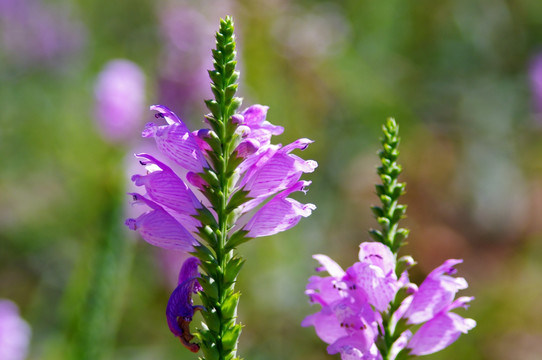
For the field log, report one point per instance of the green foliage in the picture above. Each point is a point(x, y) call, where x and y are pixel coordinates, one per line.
point(389, 214)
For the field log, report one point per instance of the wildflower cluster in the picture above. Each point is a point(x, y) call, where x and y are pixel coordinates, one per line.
point(233, 185)
point(370, 310)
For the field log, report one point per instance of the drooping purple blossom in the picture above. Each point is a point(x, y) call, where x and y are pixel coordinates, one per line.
point(180, 308)
point(14, 332)
point(266, 171)
point(120, 96)
point(352, 302)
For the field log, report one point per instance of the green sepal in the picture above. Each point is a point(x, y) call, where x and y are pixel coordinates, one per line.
point(229, 306)
point(230, 91)
point(234, 163)
point(377, 211)
point(236, 239)
point(234, 105)
point(210, 352)
point(218, 93)
point(238, 198)
point(232, 270)
point(216, 78)
point(209, 286)
point(376, 235)
point(212, 320)
point(230, 339)
point(380, 189)
point(214, 108)
point(205, 217)
point(210, 177)
point(207, 234)
point(203, 253)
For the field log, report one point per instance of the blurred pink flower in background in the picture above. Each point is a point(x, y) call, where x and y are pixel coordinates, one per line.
point(120, 100)
point(14, 332)
point(36, 32)
point(535, 72)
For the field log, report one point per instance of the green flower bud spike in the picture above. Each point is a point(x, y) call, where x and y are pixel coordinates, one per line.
point(389, 214)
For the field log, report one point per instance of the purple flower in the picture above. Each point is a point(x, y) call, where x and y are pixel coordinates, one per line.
point(279, 214)
point(175, 140)
point(120, 96)
point(266, 172)
point(442, 330)
point(14, 333)
point(347, 320)
point(354, 301)
point(180, 308)
point(159, 228)
point(431, 304)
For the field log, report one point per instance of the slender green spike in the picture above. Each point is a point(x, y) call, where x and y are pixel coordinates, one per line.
point(390, 213)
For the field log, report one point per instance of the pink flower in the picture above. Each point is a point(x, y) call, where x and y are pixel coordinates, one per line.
point(120, 96)
point(14, 332)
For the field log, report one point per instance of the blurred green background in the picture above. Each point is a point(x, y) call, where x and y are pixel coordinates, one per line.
point(455, 75)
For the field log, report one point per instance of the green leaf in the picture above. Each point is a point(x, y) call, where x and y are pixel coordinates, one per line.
point(229, 342)
point(232, 270)
point(236, 239)
point(229, 307)
point(209, 286)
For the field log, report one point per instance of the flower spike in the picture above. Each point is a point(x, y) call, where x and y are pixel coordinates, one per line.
point(230, 169)
point(370, 311)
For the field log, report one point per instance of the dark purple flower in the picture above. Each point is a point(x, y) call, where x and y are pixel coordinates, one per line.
point(14, 332)
point(180, 308)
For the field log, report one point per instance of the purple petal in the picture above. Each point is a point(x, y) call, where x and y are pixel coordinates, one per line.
point(159, 228)
point(254, 115)
point(439, 332)
point(378, 254)
point(167, 189)
point(356, 346)
point(279, 214)
point(189, 270)
point(379, 288)
point(180, 308)
point(326, 326)
point(275, 171)
point(435, 293)
point(329, 265)
point(176, 141)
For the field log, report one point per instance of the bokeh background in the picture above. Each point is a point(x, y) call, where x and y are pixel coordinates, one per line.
point(459, 76)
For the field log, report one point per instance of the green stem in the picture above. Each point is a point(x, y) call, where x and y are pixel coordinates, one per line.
point(219, 337)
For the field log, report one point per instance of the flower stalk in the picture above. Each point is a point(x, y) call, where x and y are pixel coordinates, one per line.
point(371, 310)
point(389, 214)
point(236, 168)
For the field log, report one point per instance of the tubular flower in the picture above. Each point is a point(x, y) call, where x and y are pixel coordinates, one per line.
point(180, 308)
point(265, 171)
point(233, 185)
point(353, 303)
